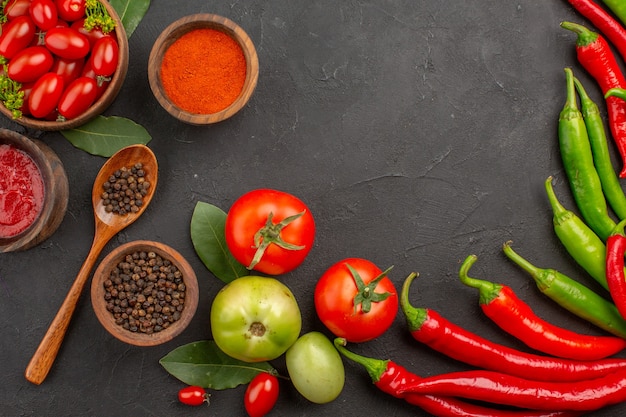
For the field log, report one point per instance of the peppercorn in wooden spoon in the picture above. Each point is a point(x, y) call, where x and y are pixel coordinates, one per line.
point(131, 165)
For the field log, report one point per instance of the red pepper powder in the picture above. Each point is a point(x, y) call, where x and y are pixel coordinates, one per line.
point(21, 191)
point(203, 71)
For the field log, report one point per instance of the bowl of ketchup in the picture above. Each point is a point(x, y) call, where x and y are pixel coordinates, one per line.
point(34, 191)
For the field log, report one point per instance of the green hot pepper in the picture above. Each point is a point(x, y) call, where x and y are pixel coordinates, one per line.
point(572, 295)
point(578, 163)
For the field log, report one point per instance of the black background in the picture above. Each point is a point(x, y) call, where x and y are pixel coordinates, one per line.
point(418, 132)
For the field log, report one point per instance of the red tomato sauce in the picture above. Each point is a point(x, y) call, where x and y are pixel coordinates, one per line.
point(21, 191)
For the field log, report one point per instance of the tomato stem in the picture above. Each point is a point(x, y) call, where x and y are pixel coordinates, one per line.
point(366, 294)
point(270, 233)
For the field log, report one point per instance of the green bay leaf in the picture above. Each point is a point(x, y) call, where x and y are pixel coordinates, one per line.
point(130, 12)
point(103, 136)
point(202, 363)
point(207, 236)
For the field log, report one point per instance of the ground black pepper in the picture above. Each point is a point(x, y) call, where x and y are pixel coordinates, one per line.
point(125, 189)
point(145, 293)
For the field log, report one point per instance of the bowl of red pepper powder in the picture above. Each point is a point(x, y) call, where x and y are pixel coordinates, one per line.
point(34, 191)
point(203, 69)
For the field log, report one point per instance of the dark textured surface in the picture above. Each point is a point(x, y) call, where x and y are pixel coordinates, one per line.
point(418, 132)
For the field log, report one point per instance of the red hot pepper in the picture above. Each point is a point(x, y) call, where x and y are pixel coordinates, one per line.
point(595, 55)
point(501, 304)
point(615, 250)
point(394, 379)
point(430, 328)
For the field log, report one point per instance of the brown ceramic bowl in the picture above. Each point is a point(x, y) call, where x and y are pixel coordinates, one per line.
point(103, 102)
point(107, 319)
point(56, 192)
point(179, 28)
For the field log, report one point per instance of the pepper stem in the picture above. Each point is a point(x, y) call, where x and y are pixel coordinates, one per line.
point(415, 317)
point(374, 367)
point(616, 92)
point(270, 233)
point(619, 228)
point(585, 36)
point(488, 291)
point(543, 277)
point(558, 210)
point(366, 294)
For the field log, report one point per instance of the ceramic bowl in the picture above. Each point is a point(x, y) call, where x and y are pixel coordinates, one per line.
point(55, 187)
point(103, 102)
point(138, 337)
point(183, 26)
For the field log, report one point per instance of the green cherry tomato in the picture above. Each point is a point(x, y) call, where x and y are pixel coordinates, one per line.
point(315, 368)
point(255, 319)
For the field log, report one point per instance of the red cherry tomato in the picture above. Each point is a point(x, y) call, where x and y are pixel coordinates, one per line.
point(15, 8)
point(261, 395)
point(77, 97)
point(70, 10)
point(286, 222)
point(104, 56)
point(93, 35)
point(69, 69)
point(16, 35)
point(67, 43)
point(102, 82)
point(29, 64)
point(45, 95)
point(44, 14)
point(193, 395)
point(356, 319)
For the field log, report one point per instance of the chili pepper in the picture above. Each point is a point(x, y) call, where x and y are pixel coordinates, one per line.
point(500, 303)
point(615, 250)
point(393, 378)
point(429, 327)
point(509, 390)
point(595, 55)
point(618, 7)
point(601, 19)
point(578, 163)
point(599, 148)
point(585, 247)
point(572, 295)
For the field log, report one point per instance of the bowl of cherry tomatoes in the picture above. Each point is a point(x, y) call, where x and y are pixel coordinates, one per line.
point(65, 61)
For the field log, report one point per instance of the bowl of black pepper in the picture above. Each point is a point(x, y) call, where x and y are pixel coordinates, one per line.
point(144, 293)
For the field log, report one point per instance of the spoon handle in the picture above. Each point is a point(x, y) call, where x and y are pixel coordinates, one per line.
point(46, 353)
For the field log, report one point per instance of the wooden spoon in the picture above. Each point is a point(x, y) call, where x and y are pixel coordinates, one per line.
point(107, 225)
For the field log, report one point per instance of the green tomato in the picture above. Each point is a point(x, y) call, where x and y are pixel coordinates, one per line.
point(255, 319)
point(315, 368)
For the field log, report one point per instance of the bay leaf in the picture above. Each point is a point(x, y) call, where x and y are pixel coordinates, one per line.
point(103, 136)
point(202, 363)
point(130, 12)
point(209, 241)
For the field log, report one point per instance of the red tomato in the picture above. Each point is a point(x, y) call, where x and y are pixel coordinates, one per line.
point(269, 231)
point(45, 95)
point(261, 394)
point(15, 8)
point(44, 13)
point(70, 10)
point(356, 300)
point(16, 35)
point(93, 35)
point(77, 97)
point(29, 64)
point(102, 82)
point(67, 43)
point(69, 69)
point(193, 395)
point(104, 56)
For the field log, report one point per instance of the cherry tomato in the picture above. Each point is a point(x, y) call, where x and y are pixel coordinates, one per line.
point(261, 394)
point(104, 56)
point(67, 43)
point(15, 8)
point(70, 10)
point(193, 395)
point(101, 82)
point(356, 300)
point(93, 35)
point(69, 69)
point(16, 35)
point(45, 95)
point(44, 14)
point(269, 231)
point(29, 64)
point(77, 97)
